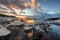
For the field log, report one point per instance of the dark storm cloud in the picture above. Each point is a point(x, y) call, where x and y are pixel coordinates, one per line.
point(4, 1)
point(16, 2)
point(12, 1)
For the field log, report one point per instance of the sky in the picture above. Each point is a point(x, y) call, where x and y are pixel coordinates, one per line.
point(50, 6)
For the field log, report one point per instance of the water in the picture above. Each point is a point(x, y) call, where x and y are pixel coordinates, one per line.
point(55, 33)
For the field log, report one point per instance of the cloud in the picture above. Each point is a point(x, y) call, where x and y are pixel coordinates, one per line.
point(12, 1)
point(51, 12)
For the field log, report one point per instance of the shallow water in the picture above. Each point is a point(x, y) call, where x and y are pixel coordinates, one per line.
point(55, 33)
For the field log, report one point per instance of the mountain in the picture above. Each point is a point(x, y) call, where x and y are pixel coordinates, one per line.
point(46, 15)
point(53, 15)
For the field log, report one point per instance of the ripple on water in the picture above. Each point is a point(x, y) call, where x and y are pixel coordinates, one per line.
point(55, 31)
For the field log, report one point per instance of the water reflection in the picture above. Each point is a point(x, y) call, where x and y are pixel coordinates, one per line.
point(55, 33)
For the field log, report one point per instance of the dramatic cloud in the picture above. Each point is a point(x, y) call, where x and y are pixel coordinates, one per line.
point(12, 1)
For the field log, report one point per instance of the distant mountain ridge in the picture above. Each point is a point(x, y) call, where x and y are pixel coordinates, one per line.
point(54, 15)
point(46, 15)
